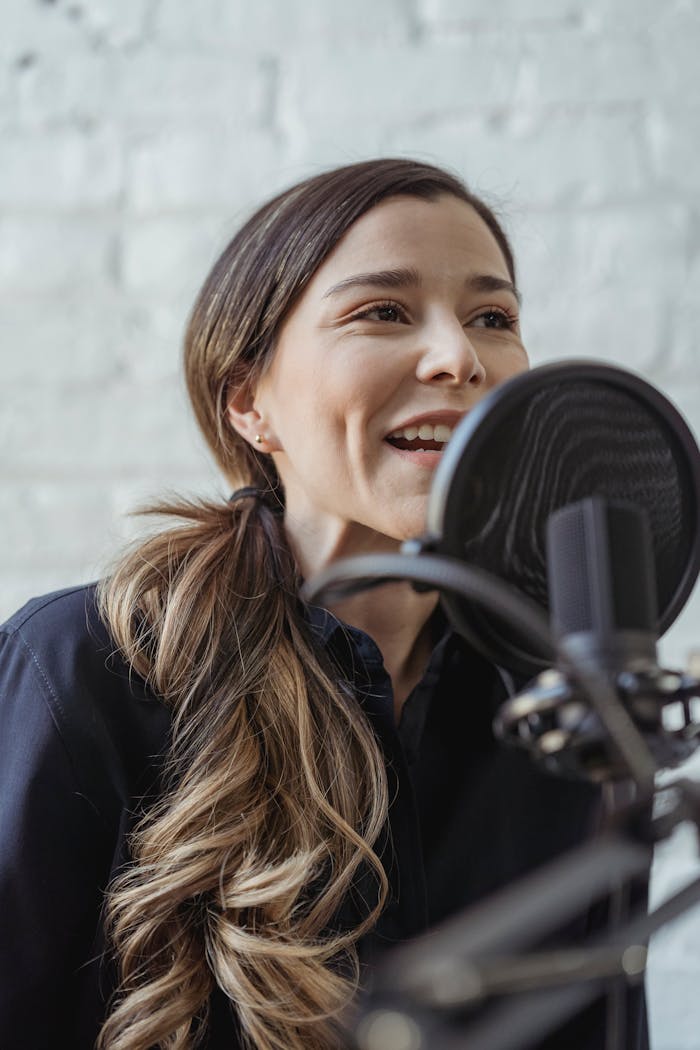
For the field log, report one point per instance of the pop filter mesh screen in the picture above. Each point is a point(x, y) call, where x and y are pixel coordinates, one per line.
point(565, 442)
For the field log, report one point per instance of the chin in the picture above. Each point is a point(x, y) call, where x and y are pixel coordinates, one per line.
point(399, 519)
point(408, 528)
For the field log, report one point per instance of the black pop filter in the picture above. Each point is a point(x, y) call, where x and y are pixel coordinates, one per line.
point(548, 438)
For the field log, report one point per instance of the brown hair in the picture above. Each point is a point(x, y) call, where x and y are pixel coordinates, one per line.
point(275, 788)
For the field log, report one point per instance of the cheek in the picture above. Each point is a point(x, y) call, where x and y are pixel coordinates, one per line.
point(511, 362)
point(344, 401)
point(322, 402)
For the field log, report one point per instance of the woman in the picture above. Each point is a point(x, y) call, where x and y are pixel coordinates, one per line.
point(269, 794)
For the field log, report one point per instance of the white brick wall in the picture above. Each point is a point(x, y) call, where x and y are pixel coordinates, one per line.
point(136, 134)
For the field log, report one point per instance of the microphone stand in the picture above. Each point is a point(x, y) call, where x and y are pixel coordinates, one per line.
point(425, 994)
point(424, 989)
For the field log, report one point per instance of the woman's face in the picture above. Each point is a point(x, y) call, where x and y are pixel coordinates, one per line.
point(408, 323)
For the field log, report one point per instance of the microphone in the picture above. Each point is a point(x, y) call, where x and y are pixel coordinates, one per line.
point(604, 616)
point(602, 585)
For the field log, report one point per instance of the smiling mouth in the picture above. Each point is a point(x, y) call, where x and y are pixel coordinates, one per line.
point(423, 438)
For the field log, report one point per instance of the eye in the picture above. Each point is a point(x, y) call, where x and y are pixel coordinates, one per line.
point(390, 312)
point(495, 318)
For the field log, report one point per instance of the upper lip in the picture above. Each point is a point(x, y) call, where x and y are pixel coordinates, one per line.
point(448, 417)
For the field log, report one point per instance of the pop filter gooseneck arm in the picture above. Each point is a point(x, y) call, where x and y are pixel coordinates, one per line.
point(447, 575)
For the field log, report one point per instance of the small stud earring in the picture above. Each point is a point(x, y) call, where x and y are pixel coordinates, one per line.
point(258, 439)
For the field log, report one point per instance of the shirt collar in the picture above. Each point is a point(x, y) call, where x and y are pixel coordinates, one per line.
point(345, 643)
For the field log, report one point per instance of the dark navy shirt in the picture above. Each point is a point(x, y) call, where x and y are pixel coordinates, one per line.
point(81, 740)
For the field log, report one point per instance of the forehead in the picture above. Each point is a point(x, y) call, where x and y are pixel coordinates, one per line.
point(443, 234)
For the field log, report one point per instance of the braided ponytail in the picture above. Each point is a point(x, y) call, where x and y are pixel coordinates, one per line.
point(274, 784)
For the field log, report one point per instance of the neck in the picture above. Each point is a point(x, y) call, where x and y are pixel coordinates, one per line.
point(397, 618)
point(394, 615)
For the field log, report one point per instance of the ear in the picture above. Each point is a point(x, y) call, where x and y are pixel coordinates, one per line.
point(244, 415)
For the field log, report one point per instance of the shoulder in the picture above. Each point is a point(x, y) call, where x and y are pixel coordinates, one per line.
point(80, 746)
point(60, 643)
point(60, 673)
point(62, 618)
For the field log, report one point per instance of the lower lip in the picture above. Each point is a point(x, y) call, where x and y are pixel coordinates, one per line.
point(421, 459)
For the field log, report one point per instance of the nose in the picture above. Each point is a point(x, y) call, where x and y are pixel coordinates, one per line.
point(450, 358)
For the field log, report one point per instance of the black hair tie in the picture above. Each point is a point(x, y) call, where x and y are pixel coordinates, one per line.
point(264, 496)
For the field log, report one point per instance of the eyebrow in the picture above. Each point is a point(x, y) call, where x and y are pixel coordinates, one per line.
point(410, 278)
point(487, 282)
point(403, 278)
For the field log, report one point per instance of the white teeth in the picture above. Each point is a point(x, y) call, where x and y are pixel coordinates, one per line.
point(426, 432)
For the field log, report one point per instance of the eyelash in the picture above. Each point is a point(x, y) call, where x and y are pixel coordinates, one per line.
point(509, 320)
